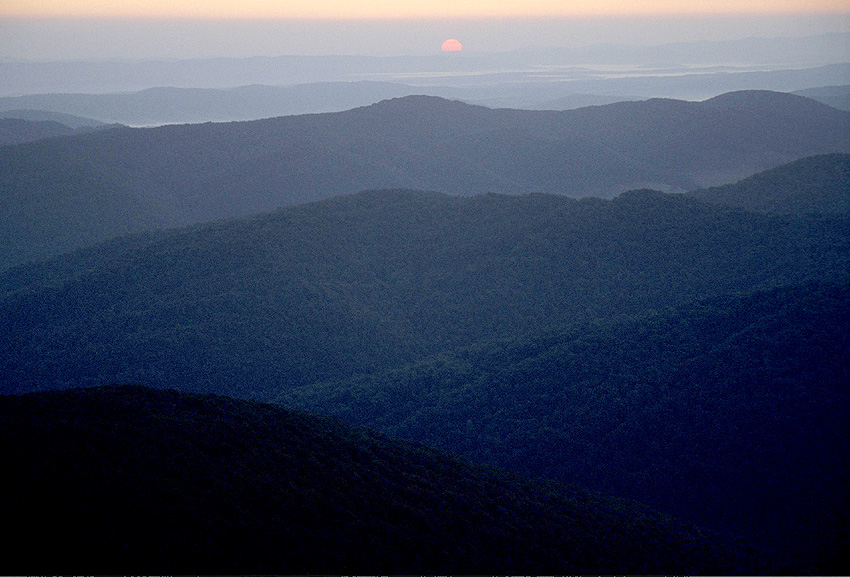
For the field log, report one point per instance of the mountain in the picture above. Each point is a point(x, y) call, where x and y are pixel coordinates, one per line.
point(19, 130)
point(59, 195)
point(729, 413)
point(172, 105)
point(253, 307)
point(835, 96)
point(46, 115)
point(813, 184)
point(571, 101)
point(16, 131)
point(132, 480)
point(652, 345)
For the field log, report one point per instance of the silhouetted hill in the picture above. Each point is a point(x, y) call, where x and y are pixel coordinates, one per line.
point(132, 480)
point(835, 96)
point(42, 115)
point(813, 184)
point(16, 130)
point(59, 195)
point(30, 125)
point(355, 284)
point(729, 413)
point(172, 105)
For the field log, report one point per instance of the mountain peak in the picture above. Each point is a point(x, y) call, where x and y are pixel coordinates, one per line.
point(760, 98)
point(419, 103)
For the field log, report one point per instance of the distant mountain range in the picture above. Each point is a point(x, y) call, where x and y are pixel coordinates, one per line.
point(690, 70)
point(642, 306)
point(69, 120)
point(58, 195)
point(585, 87)
point(166, 105)
point(19, 131)
point(686, 353)
point(835, 96)
point(132, 480)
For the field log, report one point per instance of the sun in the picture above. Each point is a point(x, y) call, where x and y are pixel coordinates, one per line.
point(452, 45)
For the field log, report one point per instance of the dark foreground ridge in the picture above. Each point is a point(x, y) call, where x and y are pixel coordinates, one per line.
point(130, 479)
point(729, 413)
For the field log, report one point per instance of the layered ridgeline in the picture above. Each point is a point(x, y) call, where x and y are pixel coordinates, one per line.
point(20, 126)
point(835, 96)
point(69, 120)
point(360, 283)
point(815, 184)
point(132, 480)
point(61, 194)
point(16, 130)
point(730, 413)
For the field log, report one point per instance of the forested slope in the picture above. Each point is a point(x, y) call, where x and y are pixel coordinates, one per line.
point(16, 130)
point(727, 412)
point(356, 284)
point(814, 184)
point(59, 195)
point(131, 480)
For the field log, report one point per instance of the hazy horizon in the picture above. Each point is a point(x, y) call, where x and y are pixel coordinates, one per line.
point(81, 39)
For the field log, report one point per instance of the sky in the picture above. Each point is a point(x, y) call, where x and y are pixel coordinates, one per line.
point(132, 29)
point(371, 9)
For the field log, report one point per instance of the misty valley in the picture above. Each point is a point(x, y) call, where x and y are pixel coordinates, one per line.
point(419, 332)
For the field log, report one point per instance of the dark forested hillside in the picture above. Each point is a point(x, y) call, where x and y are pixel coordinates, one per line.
point(355, 284)
point(59, 195)
point(729, 412)
point(813, 184)
point(16, 130)
point(22, 126)
point(130, 480)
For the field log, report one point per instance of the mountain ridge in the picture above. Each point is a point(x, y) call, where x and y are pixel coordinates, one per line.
point(168, 482)
point(715, 411)
point(374, 278)
point(57, 196)
point(812, 184)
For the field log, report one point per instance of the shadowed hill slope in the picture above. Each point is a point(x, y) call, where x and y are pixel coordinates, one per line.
point(729, 413)
point(17, 130)
point(46, 115)
point(835, 96)
point(813, 184)
point(131, 480)
point(56, 196)
point(354, 284)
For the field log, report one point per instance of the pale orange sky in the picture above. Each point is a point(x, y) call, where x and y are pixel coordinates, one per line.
point(381, 9)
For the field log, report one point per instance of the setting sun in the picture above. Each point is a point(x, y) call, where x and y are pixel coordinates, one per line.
point(452, 45)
